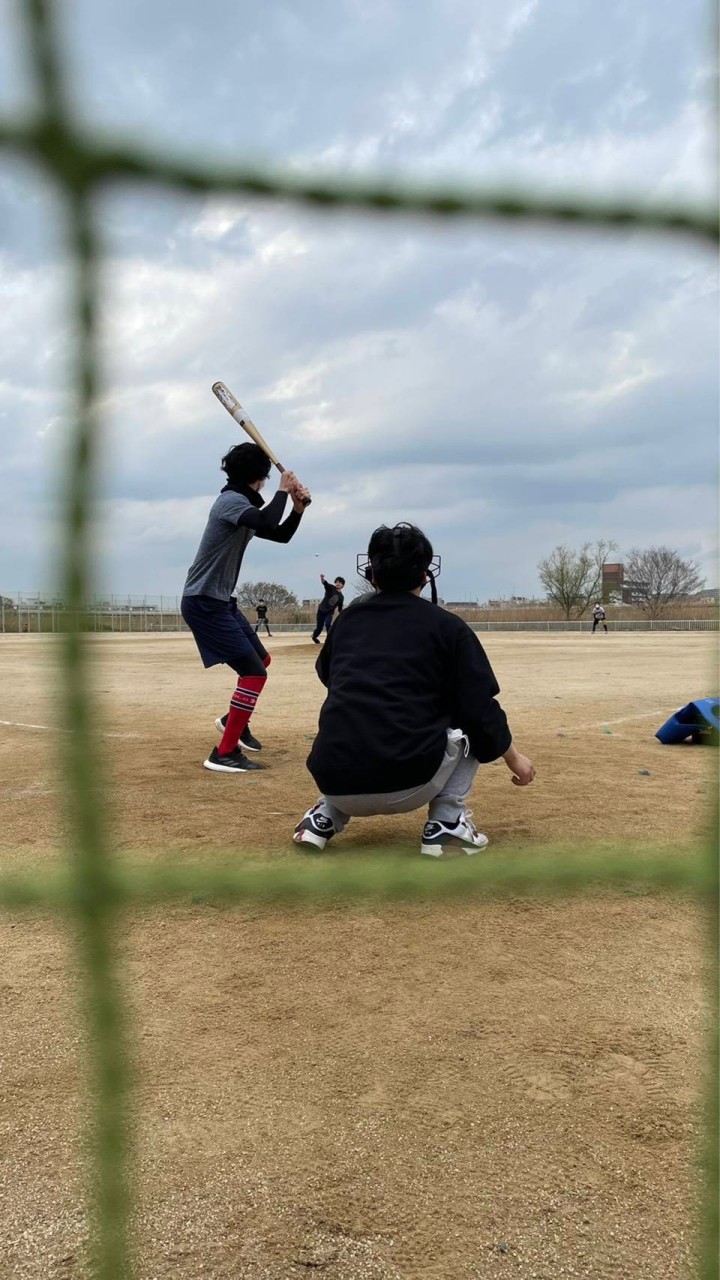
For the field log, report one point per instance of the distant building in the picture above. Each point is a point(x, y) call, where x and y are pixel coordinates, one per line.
point(613, 583)
point(512, 602)
point(461, 604)
point(616, 588)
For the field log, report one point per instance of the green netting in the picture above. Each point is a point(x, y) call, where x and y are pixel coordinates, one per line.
point(91, 887)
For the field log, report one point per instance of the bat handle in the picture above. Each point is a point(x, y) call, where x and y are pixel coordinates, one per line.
point(306, 501)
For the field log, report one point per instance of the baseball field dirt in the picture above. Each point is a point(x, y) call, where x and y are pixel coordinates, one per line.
point(485, 1090)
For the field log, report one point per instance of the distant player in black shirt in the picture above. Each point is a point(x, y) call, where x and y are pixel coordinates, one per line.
point(333, 599)
point(262, 618)
point(411, 708)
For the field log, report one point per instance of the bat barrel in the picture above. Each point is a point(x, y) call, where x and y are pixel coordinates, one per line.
point(236, 411)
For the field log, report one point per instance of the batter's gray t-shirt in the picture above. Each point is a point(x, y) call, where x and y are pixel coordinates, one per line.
point(216, 567)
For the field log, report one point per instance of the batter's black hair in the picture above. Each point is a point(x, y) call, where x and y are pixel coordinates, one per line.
point(246, 463)
point(399, 557)
point(339, 579)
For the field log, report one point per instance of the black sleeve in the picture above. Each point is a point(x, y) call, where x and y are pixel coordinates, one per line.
point(341, 602)
point(286, 530)
point(329, 591)
point(267, 518)
point(322, 666)
point(475, 708)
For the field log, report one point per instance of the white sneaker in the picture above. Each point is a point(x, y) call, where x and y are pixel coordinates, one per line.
point(439, 838)
point(315, 829)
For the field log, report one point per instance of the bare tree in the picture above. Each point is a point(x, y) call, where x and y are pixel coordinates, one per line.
point(275, 595)
point(573, 578)
point(659, 576)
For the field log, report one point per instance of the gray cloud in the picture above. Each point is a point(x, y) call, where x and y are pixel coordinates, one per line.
point(509, 389)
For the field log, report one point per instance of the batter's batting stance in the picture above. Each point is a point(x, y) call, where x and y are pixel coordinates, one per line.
point(411, 708)
point(221, 632)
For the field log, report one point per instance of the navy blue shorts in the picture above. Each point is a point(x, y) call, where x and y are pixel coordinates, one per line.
point(222, 633)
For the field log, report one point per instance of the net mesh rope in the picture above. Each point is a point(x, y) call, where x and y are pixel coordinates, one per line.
point(92, 889)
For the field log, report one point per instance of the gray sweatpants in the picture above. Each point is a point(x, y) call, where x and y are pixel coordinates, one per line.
point(445, 793)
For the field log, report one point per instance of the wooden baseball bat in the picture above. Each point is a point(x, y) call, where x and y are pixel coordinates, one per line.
point(235, 409)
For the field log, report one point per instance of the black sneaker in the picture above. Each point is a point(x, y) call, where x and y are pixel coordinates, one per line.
point(314, 639)
point(234, 762)
point(247, 739)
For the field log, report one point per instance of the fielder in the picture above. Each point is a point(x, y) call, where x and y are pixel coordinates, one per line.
point(411, 708)
point(598, 614)
point(221, 632)
point(333, 599)
point(261, 610)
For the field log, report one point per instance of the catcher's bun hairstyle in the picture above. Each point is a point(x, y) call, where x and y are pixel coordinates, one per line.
point(399, 557)
point(246, 463)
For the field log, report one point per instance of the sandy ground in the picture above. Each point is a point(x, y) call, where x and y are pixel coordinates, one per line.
point(489, 1090)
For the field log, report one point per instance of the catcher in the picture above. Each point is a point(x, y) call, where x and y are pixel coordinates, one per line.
point(411, 709)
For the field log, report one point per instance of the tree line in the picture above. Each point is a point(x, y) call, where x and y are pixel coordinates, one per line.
point(572, 578)
point(657, 577)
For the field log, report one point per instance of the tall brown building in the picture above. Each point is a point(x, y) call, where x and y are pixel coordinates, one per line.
point(616, 587)
point(613, 579)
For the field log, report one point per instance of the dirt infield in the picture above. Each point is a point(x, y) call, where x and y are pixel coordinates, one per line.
point(493, 1090)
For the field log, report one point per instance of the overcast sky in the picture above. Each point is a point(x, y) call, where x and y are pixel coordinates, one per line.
point(506, 389)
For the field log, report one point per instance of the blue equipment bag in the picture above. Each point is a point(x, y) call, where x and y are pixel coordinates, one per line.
point(698, 720)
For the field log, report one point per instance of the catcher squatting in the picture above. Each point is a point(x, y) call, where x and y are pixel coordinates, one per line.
point(406, 722)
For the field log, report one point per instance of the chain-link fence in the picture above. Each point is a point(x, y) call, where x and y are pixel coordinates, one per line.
point(93, 889)
point(30, 613)
point(29, 620)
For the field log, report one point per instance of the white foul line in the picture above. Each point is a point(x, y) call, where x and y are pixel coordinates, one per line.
point(642, 715)
point(53, 728)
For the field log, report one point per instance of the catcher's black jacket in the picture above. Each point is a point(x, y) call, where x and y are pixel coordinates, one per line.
point(400, 672)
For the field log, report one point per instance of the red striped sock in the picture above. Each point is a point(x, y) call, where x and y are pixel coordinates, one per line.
point(242, 705)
